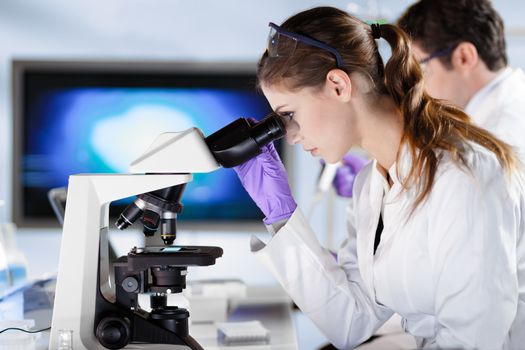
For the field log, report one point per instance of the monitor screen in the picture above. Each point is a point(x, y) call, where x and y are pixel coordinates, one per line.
point(75, 118)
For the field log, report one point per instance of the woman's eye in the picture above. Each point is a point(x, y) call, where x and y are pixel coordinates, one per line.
point(288, 116)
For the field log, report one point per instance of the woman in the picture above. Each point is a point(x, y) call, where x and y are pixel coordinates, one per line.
point(435, 233)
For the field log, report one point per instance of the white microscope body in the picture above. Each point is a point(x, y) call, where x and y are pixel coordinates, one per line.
point(169, 161)
point(97, 299)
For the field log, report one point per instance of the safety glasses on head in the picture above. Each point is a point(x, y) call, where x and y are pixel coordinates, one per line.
point(282, 43)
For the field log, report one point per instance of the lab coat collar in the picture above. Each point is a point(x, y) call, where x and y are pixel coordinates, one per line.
point(398, 171)
point(370, 215)
point(475, 102)
point(381, 192)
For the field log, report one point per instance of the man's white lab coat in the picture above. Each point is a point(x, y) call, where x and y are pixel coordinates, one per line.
point(499, 107)
point(449, 269)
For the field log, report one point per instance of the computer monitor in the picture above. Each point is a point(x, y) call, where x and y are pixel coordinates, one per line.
point(97, 117)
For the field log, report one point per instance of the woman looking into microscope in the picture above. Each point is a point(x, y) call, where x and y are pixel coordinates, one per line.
point(436, 230)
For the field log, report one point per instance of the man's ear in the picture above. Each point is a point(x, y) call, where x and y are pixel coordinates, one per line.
point(339, 85)
point(464, 57)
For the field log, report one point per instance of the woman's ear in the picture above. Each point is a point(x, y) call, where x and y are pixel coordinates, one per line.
point(339, 85)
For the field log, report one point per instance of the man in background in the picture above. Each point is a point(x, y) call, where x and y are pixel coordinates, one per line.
point(461, 47)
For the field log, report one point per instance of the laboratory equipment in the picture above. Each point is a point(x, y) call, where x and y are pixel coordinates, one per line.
point(97, 299)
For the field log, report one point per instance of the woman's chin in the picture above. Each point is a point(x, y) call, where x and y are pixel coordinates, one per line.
point(330, 159)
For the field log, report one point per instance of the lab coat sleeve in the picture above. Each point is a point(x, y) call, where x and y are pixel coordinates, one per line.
point(333, 298)
point(472, 247)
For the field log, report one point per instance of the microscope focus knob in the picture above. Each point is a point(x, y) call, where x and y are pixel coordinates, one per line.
point(113, 332)
point(130, 284)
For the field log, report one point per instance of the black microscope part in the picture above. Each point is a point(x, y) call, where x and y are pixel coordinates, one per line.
point(150, 221)
point(160, 210)
point(168, 277)
point(167, 198)
point(113, 332)
point(157, 301)
point(168, 230)
point(269, 129)
point(157, 270)
point(128, 216)
point(139, 259)
point(240, 141)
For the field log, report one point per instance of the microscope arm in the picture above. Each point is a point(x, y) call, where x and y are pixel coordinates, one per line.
point(177, 152)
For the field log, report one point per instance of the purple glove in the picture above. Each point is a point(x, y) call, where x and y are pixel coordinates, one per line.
point(266, 181)
point(345, 175)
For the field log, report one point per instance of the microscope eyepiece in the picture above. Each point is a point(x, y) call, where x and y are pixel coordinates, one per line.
point(240, 141)
point(269, 129)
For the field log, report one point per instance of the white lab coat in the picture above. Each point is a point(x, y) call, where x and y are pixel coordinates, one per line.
point(450, 269)
point(499, 107)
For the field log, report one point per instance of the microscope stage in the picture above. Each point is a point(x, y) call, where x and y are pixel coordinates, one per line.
point(173, 256)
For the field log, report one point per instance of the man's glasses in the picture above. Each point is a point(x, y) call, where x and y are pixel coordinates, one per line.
point(438, 53)
point(282, 43)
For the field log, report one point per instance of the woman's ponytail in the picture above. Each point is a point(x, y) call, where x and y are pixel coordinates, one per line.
point(402, 73)
point(430, 125)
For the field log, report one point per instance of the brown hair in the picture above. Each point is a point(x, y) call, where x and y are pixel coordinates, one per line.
point(441, 24)
point(430, 125)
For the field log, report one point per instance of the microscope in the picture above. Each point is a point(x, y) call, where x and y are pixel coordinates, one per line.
point(97, 298)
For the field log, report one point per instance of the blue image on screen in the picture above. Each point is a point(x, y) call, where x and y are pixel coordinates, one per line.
point(102, 130)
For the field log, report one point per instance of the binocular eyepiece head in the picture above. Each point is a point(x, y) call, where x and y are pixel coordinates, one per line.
point(241, 140)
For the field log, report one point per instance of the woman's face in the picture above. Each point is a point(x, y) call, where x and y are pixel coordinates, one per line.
point(315, 119)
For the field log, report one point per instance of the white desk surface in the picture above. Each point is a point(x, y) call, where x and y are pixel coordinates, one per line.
point(276, 318)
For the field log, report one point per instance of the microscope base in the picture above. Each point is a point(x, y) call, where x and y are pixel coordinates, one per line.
point(144, 332)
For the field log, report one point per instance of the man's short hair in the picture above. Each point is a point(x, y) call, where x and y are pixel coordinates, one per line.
point(441, 24)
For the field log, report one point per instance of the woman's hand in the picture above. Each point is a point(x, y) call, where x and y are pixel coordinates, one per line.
point(266, 181)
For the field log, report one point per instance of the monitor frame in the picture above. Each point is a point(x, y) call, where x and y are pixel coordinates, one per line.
point(19, 67)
